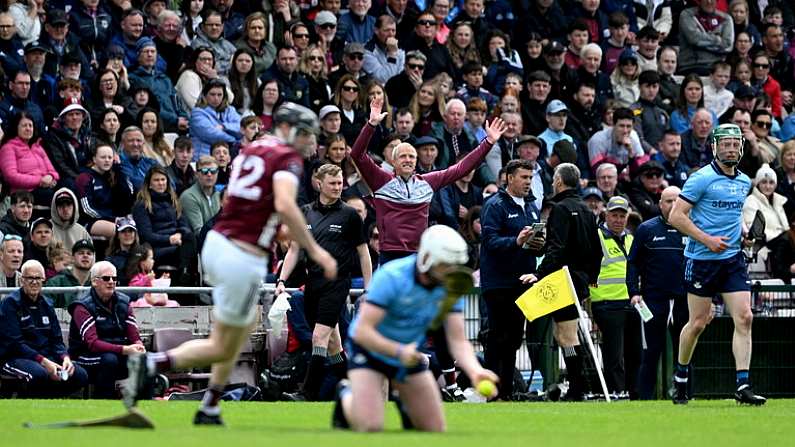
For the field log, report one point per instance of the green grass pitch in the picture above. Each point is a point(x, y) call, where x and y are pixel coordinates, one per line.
point(719, 423)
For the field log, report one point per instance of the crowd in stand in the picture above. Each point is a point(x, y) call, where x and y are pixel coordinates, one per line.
point(120, 119)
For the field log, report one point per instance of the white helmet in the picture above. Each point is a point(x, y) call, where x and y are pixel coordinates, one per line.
point(441, 244)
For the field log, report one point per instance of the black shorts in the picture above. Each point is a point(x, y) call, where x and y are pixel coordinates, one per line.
point(358, 357)
point(323, 300)
point(708, 278)
point(567, 313)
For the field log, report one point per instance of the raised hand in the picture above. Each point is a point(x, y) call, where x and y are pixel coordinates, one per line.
point(494, 130)
point(375, 111)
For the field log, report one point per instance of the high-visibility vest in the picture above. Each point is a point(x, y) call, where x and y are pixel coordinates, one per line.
point(613, 273)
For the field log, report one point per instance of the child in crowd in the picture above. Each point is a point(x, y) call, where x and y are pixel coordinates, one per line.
point(59, 258)
point(140, 270)
point(476, 117)
point(717, 98)
point(618, 23)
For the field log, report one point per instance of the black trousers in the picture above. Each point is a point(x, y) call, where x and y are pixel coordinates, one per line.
point(103, 371)
point(656, 331)
point(506, 327)
point(621, 344)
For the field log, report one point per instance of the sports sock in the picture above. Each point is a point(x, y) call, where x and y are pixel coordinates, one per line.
point(315, 372)
point(573, 360)
point(449, 377)
point(159, 362)
point(742, 377)
point(210, 400)
point(338, 363)
point(682, 372)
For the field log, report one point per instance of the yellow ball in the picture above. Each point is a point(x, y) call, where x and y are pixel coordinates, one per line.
point(486, 388)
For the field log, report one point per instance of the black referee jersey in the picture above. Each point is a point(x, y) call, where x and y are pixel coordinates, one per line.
point(339, 230)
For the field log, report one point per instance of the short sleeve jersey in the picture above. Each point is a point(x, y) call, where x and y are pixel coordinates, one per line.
point(249, 213)
point(717, 201)
point(410, 307)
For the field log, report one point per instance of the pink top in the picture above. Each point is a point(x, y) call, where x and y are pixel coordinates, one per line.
point(23, 165)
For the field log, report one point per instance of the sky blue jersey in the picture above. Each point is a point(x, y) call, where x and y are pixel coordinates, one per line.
point(410, 307)
point(717, 201)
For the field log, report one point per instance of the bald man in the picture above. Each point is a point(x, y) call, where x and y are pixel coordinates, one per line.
point(655, 278)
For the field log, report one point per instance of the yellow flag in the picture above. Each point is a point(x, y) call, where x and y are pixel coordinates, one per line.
point(548, 295)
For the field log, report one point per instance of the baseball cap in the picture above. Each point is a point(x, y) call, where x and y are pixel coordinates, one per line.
point(70, 57)
point(617, 203)
point(40, 221)
point(64, 197)
point(36, 45)
point(592, 191)
point(649, 77)
point(57, 17)
point(628, 55)
point(556, 106)
point(325, 110)
point(554, 47)
point(565, 151)
point(83, 244)
point(744, 91)
point(325, 18)
point(523, 139)
point(125, 222)
point(354, 48)
point(72, 104)
point(651, 166)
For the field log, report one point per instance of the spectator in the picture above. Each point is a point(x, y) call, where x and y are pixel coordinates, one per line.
point(427, 154)
point(155, 145)
point(41, 87)
point(10, 44)
point(500, 60)
point(607, 180)
point(462, 47)
point(351, 64)
point(17, 220)
point(743, 44)
point(64, 215)
point(471, 231)
point(595, 201)
point(200, 70)
point(669, 86)
point(140, 270)
point(180, 172)
point(675, 170)
point(330, 124)
point(327, 40)
point(404, 124)
point(577, 38)
point(234, 21)
point(103, 331)
point(211, 35)
point(476, 117)
point(782, 67)
point(509, 248)
point(38, 244)
point(107, 128)
point(213, 120)
point(134, 165)
point(644, 191)
point(614, 46)
point(77, 274)
point(405, 15)
point(383, 58)
point(147, 74)
point(64, 47)
point(473, 85)
point(706, 35)
point(26, 20)
point(298, 34)
point(268, 99)
point(243, 82)
point(424, 40)
point(132, 29)
point(556, 114)
point(356, 25)
point(648, 40)
point(255, 39)
point(535, 104)
point(782, 255)
point(346, 97)
point(107, 95)
point(764, 198)
point(785, 173)
point(169, 44)
point(161, 222)
point(201, 201)
point(11, 252)
point(588, 12)
point(585, 116)
point(562, 78)
point(451, 203)
point(625, 78)
point(124, 241)
point(313, 67)
point(739, 10)
point(618, 144)
point(652, 120)
point(695, 145)
point(546, 18)
point(717, 98)
point(30, 336)
point(292, 84)
point(655, 277)
point(220, 152)
point(768, 147)
point(24, 164)
point(19, 99)
point(403, 86)
point(763, 82)
point(105, 191)
point(453, 137)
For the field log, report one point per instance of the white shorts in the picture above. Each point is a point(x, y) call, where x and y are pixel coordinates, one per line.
point(236, 276)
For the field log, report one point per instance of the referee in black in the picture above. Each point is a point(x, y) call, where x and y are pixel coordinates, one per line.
point(338, 229)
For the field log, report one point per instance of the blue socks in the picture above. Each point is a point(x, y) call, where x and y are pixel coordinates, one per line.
point(742, 377)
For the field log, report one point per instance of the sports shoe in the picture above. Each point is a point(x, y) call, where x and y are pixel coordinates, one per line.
point(137, 382)
point(297, 396)
point(745, 395)
point(453, 393)
point(338, 419)
point(680, 392)
point(202, 418)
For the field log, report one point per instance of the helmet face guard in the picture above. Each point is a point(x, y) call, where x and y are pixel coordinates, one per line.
point(724, 132)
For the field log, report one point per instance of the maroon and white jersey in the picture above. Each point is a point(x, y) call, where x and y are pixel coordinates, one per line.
point(248, 214)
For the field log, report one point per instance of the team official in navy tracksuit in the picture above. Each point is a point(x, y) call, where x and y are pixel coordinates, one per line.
point(31, 344)
point(655, 275)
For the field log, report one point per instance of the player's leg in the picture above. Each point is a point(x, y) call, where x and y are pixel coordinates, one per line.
point(565, 332)
point(446, 365)
point(699, 312)
point(422, 401)
point(362, 400)
point(338, 362)
point(739, 305)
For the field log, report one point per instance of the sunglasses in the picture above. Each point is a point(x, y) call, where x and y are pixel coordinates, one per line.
point(316, 58)
point(350, 88)
point(762, 66)
point(327, 26)
point(207, 171)
point(358, 56)
point(108, 278)
point(426, 22)
point(765, 124)
point(33, 278)
point(416, 66)
point(652, 174)
point(12, 237)
point(301, 36)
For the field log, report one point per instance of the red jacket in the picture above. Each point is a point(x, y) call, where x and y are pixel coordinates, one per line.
point(24, 165)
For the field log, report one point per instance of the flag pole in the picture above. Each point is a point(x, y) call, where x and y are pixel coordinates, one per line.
point(586, 334)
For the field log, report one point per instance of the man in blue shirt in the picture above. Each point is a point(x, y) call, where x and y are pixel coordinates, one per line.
point(709, 211)
point(403, 299)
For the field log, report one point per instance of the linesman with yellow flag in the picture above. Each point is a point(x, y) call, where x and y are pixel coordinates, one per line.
point(573, 241)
